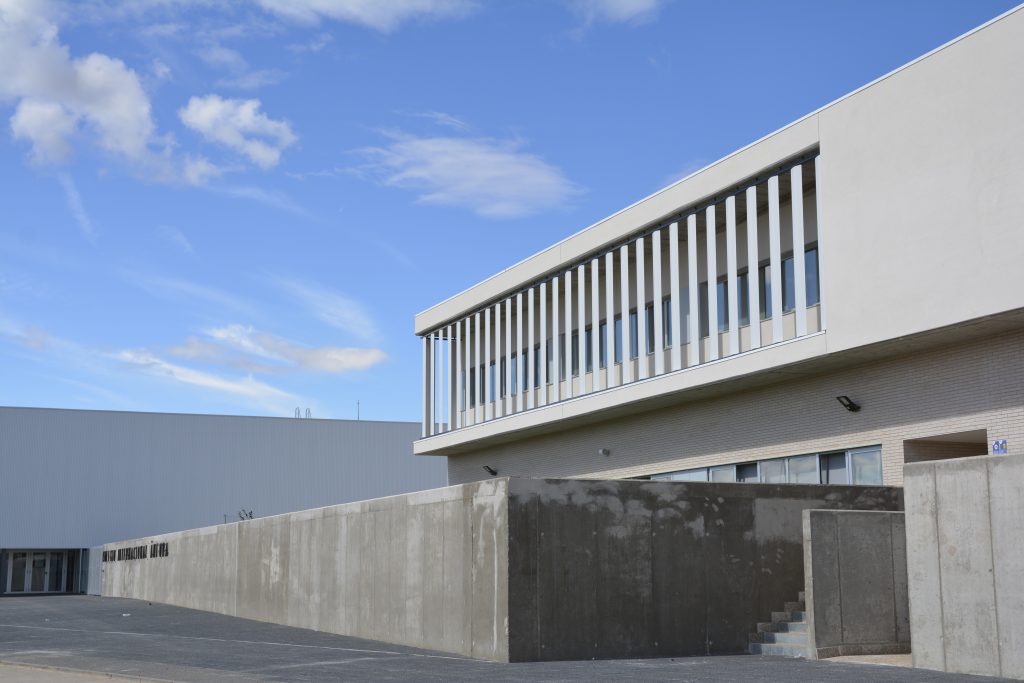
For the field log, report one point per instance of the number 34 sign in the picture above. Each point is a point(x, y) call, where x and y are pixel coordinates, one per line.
point(999, 447)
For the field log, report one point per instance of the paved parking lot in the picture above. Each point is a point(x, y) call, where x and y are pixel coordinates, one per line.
point(133, 638)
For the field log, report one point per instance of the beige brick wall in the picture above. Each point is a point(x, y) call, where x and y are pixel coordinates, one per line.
point(978, 385)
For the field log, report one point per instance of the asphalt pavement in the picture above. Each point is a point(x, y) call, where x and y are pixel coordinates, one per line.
point(141, 641)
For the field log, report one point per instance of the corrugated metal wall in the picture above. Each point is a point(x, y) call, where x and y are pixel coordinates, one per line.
point(80, 478)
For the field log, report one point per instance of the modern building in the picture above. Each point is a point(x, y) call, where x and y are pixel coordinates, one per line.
point(75, 479)
point(838, 298)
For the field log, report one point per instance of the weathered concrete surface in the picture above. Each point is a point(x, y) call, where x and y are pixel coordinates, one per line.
point(603, 569)
point(426, 569)
point(965, 559)
point(855, 581)
point(511, 569)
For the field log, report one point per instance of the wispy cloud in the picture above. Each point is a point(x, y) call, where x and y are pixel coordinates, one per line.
point(272, 198)
point(240, 126)
point(493, 178)
point(174, 288)
point(77, 209)
point(276, 353)
point(616, 11)
point(247, 386)
point(317, 44)
point(442, 119)
point(176, 238)
point(332, 308)
point(382, 16)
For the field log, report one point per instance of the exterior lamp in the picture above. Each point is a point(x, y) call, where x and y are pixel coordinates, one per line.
point(491, 471)
point(848, 403)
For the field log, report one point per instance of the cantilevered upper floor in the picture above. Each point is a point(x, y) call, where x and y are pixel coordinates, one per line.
point(892, 212)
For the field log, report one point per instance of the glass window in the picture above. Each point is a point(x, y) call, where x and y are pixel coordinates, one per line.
point(766, 291)
point(525, 355)
point(618, 340)
point(666, 322)
point(634, 336)
point(723, 306)
point(493, 377)
point(536, 366)
point(773, 471)
point(723, 473)
point(747, 472)
point(743, 286)
point(803, 469)
point(700, 474)
point(866, 465)
point(575, 353)
point(788, 288)
point(649, 316)
point(515, 374)
point(482, 376)
point(588, 350)
point(502, 378)
point(602, 339)
point(811, 269)
point(833, 468)
point(472, 387)
point(702, 308)
point(18, 562)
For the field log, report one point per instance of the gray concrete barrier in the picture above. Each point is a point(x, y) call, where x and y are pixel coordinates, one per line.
point(855, 581)
point(965, 559)
point(510, 569)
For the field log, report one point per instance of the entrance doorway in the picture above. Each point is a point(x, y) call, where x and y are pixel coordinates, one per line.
point(38, 571)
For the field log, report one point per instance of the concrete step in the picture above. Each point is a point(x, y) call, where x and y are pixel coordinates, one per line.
point(801, 596)
point(782, 627)
point(794, 606)
point(789, 615)
point(778, 649)
point(785, 638)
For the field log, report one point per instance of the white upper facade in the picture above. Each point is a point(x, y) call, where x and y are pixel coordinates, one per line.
point(903, 200)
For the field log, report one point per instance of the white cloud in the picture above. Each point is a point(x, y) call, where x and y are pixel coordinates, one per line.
point(315, 45)
point(382, 15)
point(222, 57)
point(198, 170)
point(239, 125)
point(177, 238)
point(77, 209)
point(272, 198)
point(617, 11)
point(336, 310)
point(442, 119)
point(493, 178)
point(244, 386)
point(56, 94)
point(330, 359)
point(253, 80)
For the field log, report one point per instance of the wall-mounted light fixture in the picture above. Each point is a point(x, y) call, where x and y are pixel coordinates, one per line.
point(491, 471)
point(604, 451)
point(848, 403)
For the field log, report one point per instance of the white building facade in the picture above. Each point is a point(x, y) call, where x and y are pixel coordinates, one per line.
point(76, 479)
point(838, 298)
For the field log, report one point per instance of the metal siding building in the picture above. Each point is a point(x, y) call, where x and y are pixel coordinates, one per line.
point(74, 479)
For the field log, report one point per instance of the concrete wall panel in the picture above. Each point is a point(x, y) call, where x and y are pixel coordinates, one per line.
point(965, 563)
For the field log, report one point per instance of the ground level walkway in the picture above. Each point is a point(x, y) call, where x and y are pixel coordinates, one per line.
point(49, 638)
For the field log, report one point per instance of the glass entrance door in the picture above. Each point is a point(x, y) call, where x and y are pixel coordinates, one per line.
point(36, 571)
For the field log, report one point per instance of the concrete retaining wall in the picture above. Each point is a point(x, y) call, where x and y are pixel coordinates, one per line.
point(965, 558)
point(511, 569)
point(426, 569)
point(855, 580)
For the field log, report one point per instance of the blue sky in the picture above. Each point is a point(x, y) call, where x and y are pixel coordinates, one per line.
point(239, 207)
